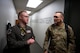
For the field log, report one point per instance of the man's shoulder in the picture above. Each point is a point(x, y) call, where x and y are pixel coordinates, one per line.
point(9, 31)
point(28, 27)
point(15, 27)
point(51, 27)
point(68, 26)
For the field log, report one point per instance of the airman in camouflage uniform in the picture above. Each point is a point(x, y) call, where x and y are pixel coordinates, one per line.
point(57, 35)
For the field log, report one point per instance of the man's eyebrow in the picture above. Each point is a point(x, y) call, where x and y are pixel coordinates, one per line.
point(26, 16)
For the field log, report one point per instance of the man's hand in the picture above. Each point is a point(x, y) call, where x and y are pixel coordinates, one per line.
point(30, 41)
point(45, 52)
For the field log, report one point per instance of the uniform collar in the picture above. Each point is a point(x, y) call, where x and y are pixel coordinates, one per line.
point(20, 26)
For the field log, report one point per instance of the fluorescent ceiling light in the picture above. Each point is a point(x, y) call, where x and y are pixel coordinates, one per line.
point(28, 12)
point(34, 3)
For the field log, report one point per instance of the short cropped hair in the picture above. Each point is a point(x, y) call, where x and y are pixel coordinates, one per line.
point(60, 12)
point(21, 13)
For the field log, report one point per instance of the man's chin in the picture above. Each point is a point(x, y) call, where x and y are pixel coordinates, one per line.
point(55, 22)
point(26, 23)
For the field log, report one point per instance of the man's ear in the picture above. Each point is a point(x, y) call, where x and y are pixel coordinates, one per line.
point(20, 17)
point(62, 19)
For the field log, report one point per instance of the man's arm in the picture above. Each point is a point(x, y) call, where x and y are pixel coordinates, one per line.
point(72, 44)
point(46, 40)
point(32, 34)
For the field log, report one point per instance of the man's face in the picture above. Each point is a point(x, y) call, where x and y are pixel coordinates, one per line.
point(58, 18)
point(24, 17)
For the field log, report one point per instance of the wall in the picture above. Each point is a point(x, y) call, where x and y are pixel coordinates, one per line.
point(43, 18)
point(7, 13)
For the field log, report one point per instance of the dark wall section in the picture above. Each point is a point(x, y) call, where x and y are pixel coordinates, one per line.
point(67, 11)
point(72, 17)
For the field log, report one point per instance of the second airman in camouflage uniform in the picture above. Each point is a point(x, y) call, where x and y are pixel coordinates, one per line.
point(57, 35)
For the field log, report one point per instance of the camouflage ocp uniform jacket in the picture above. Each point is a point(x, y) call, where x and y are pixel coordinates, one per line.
point(58, 40)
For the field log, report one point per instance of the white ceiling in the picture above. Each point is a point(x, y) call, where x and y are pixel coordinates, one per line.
point(21, 5)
